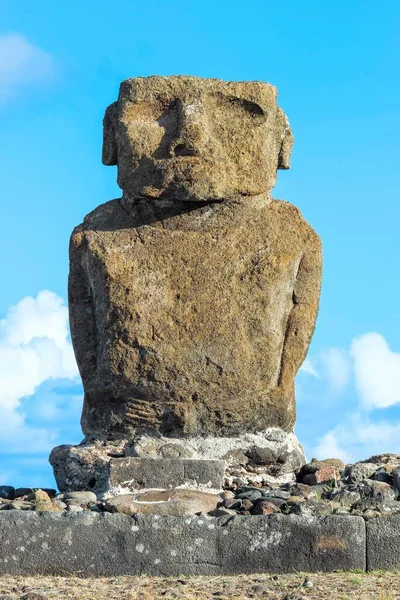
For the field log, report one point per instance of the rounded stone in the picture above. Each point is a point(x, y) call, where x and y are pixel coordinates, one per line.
point(7, 492)
point(176, 502)
point(74, 508)
point(250, 494)
point(83, 496)
point(360, 471)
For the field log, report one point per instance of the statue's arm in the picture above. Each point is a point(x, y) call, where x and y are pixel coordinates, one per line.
point(81, 308)
point(301, 322)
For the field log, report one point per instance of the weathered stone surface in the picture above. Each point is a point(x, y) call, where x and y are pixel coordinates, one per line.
point(141, 473)
point(81, 496)
point(93, 465)
point(318, 471)
point(79, 468)
point(207, 343)
point(43, 506)
point(87, 544)
point(383, 549)
point(195, 139)
point(359, 471)
point(193, 298)
point(322, 475)
point(39, 496)
point(175, 503)
point(272, 448)
point(377, 492)
point(396, 479)
point(380, 467)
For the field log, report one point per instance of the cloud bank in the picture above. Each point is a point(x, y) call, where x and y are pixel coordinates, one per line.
point(369, 372)
point(21, 64)
point(34, 348)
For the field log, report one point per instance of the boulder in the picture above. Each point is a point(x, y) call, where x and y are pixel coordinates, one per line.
point(320, 471)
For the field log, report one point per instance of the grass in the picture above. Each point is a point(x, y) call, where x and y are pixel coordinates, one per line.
point(353, 585)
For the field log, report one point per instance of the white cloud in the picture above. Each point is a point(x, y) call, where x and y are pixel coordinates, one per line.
point(309, 368)
point(21, 63)
point(332, 365)
point(327, 447)
point(337, 368)
point(358, 438)
point(374, 367)
point(34, 348)
point(376, 370)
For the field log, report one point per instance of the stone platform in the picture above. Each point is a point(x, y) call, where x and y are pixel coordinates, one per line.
point(90, 544)
point(113, 476)
point(198, 463)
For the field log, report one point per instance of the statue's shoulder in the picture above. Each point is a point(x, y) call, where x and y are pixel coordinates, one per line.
point(289, 213)
point(106, 217)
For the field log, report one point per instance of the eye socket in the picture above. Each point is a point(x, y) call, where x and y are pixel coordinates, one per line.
point(250, 107)
point(156, 110)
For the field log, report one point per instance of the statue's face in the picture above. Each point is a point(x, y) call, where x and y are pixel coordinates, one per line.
point(196, 139)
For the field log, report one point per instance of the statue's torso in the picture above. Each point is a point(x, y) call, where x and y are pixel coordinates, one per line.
point(191, 311)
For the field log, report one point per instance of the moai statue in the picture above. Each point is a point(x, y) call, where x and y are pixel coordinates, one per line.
point(193, 298)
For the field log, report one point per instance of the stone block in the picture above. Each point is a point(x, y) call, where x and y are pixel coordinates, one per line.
point(167, 473)
point(383, 550)
point(283, 544)
point(91, 544)
point(91, 467)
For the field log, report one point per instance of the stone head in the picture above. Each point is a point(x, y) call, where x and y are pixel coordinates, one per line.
point(194, 139)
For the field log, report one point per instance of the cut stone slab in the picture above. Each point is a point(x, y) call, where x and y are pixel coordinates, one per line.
point(168, 473)
point(383, 543)
point(90, 544)
point(90, 468)
point(176, 503)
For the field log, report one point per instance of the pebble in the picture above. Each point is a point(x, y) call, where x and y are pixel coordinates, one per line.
point(382, 475)
point(264, 507)
point(7, 492)
point(39, 496)
point(250, 494)
point(247, 504)
point(74, 508)
point(84, 497)
point(282, 494)
point(396, 479)
point(222, 512)
point(277, 501)
point(21, 505)
point(227, 495)
point(233, 503)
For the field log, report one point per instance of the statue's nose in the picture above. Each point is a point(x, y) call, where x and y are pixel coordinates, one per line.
point(190, 131)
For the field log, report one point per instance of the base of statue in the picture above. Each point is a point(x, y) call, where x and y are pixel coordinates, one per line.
point(110, 468)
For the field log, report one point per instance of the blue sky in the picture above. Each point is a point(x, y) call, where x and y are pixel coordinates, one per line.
point(335, 65)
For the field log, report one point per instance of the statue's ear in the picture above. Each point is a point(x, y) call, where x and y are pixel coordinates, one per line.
point(286, 145)
point(110, 149)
